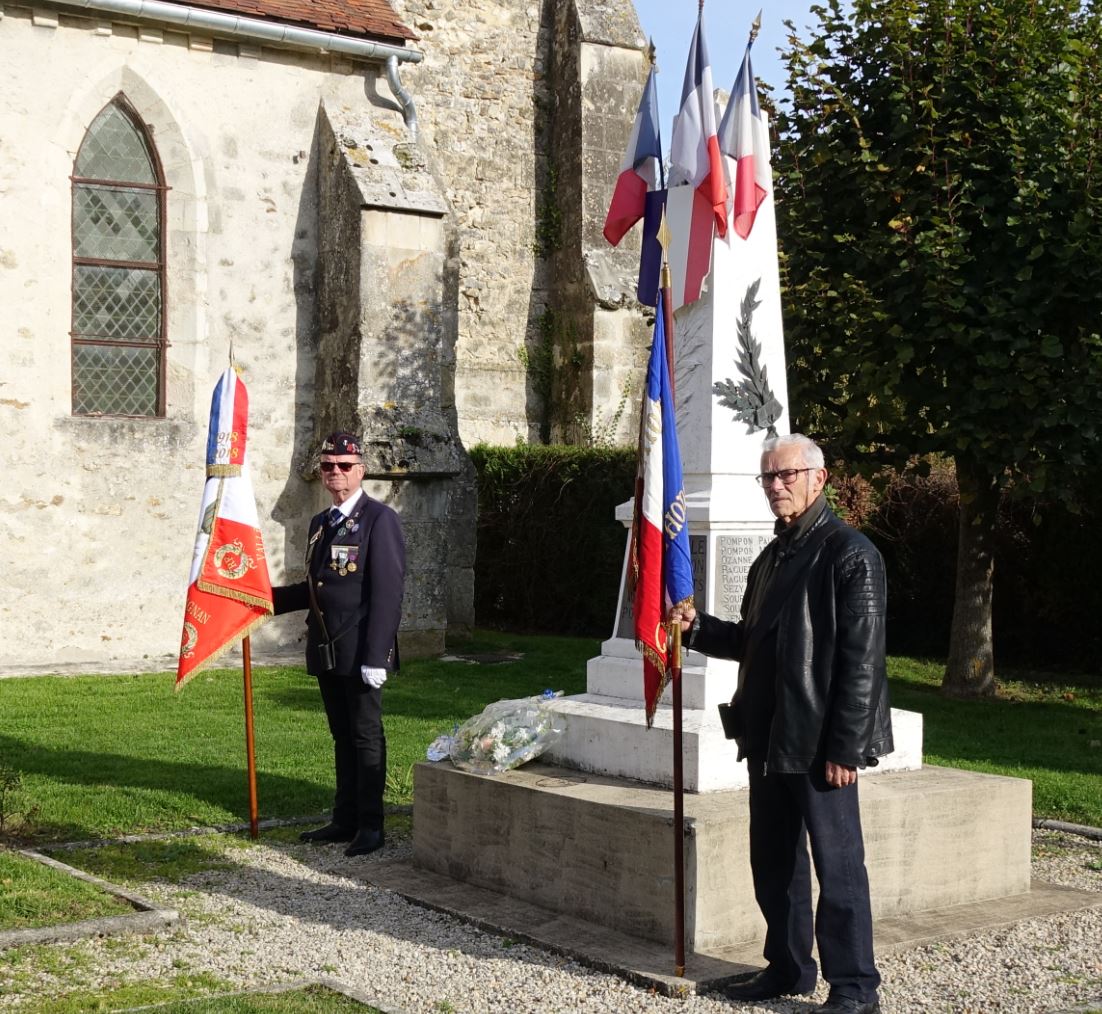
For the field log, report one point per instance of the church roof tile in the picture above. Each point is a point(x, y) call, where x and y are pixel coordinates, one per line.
point(373, 18)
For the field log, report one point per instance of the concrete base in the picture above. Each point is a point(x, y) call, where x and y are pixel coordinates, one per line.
point(600, 849)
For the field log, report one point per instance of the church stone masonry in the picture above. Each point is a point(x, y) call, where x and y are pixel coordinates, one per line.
point(431, 289)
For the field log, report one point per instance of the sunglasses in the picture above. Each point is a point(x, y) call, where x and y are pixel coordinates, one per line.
point(344, 466)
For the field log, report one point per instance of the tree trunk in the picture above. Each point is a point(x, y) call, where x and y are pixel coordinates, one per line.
point(971, 668)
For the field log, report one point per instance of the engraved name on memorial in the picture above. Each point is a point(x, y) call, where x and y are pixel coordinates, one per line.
point(734, 554)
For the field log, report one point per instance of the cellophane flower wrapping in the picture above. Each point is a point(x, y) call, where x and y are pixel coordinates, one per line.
point(506, 734)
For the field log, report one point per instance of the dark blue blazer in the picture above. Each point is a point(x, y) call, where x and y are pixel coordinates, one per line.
point(362, 607)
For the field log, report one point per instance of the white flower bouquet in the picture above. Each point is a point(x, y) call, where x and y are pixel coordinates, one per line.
point(505, 735)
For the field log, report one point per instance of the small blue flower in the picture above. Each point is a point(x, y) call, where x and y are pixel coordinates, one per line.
point(548, 694)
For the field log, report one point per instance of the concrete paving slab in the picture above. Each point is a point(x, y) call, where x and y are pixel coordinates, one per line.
point(651, 965)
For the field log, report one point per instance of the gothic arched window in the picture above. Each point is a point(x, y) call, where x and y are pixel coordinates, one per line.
point(118, 334)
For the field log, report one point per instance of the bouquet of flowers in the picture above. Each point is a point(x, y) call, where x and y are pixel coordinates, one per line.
point(506, 735)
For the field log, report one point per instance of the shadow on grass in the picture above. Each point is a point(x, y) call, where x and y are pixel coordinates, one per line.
point(160, 788)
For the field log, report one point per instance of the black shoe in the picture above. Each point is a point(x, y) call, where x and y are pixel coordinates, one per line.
point(367, 840)
point(847, 1005)
point(763, 986)
point(331, 832)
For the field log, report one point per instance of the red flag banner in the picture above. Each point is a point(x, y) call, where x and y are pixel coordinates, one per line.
point(744, 140)
point(696, 162)
point(229, 591)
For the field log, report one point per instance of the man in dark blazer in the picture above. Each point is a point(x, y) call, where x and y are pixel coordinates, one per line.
point(355, 567)
point(811, 708)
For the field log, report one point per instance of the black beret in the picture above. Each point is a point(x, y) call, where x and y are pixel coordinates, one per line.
point(341, 443)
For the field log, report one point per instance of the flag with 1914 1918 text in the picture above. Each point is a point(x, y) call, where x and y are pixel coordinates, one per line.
point(661, 565)
point(229, 592)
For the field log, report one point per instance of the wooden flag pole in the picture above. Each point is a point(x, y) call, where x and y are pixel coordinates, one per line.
point(247, 666)
point(678, 809)
point(675, 655)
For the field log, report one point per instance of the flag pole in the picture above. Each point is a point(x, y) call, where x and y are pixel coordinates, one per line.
point(675, 657)
point(247, 676)
point(247, 666)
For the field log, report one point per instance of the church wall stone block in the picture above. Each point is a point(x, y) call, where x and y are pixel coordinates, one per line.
point(363, 275)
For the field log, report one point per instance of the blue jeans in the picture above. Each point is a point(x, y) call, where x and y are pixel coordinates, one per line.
point(785, 811)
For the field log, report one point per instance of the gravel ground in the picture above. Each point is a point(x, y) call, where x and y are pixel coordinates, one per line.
point(293, 912)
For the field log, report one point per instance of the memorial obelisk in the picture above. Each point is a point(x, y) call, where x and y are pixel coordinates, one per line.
point(731, 395)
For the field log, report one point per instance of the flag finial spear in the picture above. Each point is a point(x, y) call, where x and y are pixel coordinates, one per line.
point(664, 239)
point(755, 28)
point(700, 7)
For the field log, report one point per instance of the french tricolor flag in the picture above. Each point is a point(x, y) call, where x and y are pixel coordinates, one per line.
point(229, 592)
point(661, 563)
point(696, 160)
point(744, 139)
point(229, 421)
point(640, 170)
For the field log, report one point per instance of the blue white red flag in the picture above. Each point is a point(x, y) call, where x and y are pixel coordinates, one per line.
point(662, 568)
point(696, 160)
point(229, 592)
point(640, 170)
point(650, 250)
point(744, 139)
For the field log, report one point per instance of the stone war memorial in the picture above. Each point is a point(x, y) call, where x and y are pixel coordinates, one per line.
point(943, 846)
point(389, 211)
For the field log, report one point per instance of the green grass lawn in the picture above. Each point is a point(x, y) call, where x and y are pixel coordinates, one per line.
point(311, 1000)
point(33, 895)
point(102, 756)
point(106, 755)
point(182, 995)
point(1044, 727)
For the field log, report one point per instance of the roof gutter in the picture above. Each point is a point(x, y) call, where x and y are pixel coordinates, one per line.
point(270, 32)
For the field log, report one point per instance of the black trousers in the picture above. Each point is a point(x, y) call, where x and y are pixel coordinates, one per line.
point(786, 810)
point(355, 714)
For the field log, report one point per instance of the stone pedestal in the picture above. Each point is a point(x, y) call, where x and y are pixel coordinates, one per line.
point(600, 849)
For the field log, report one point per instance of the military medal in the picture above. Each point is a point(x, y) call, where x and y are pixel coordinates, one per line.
point(339, 557)
point(353, 557)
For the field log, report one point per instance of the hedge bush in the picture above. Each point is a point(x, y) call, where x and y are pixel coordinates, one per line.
point(550, 553)
point(550, 550)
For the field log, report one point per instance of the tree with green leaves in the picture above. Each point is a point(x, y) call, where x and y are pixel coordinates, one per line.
point(939, 194)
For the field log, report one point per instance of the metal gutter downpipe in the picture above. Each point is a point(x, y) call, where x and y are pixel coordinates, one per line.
point(405, 100)
point(270, 32)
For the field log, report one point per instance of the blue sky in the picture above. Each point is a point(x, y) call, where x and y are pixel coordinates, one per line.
point(726, 26)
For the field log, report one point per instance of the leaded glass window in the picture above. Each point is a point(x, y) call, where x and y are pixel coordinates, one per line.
point(118, 331)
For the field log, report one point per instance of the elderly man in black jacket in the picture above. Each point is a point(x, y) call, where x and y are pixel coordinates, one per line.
point(355, 568)
point(811, 708)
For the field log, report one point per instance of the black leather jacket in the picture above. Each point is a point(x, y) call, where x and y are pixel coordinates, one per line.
point(828, 604)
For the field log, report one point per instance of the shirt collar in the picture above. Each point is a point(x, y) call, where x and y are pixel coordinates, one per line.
point(349, 505)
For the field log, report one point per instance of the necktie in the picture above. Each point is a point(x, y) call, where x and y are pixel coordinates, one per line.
point(335, 516)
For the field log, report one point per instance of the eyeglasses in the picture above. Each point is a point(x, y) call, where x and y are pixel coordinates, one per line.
point(344, 466)
point(786, 475)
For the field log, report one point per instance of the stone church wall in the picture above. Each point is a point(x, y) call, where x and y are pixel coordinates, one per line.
point(99, 513)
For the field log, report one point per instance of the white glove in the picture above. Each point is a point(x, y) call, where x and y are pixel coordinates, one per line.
point(374, 678)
